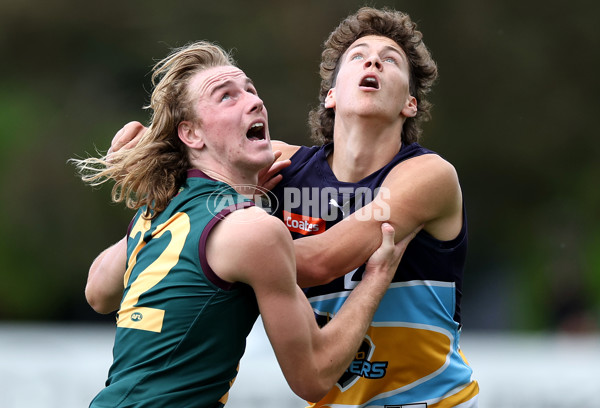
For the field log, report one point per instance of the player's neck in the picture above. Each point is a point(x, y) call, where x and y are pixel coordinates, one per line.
point(242, 181)
point(359, 151)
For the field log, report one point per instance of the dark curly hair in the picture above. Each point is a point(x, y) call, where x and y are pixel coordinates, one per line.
point(387, 23)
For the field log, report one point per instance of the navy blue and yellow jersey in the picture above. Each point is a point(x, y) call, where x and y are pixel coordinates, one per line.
point(410, 355)
point(181, 330)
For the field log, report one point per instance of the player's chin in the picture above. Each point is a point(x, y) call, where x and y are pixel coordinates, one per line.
point(262, 159)
point(262, 149)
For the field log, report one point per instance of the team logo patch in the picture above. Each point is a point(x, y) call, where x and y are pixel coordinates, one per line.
point(137, 316)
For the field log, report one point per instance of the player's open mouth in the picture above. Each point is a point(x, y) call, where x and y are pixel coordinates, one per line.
point(256, 131)
point(369, 81)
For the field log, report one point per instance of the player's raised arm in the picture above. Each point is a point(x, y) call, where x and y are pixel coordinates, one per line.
point(312, 359)
point(421, 191)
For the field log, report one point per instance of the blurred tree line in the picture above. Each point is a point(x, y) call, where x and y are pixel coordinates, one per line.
point(515, 109)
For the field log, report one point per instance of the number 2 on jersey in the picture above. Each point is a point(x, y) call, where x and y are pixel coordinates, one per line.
point(146, 318)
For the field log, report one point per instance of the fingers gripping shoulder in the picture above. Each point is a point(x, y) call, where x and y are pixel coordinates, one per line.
point(287, 150)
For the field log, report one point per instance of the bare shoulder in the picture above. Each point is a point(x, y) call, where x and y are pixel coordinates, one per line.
point(428, 166)
point(429, 162)
point(251, 227)
point(426, 189)
point(287, 150)
point(251, 238)
point(254, 219)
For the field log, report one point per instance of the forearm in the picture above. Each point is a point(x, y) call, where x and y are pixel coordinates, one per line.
point(313, 359)
point(325, 257)
point(104, 287)
point(342, 336)
point(348, 244)
point(316, 361)
point(347, 329)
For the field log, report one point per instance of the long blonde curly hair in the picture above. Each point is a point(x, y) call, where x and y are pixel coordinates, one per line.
point(151, 173)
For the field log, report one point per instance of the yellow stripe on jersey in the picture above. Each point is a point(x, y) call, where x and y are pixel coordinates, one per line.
point(417, 354)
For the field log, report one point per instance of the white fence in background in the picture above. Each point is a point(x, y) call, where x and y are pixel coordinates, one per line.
point(64, 366)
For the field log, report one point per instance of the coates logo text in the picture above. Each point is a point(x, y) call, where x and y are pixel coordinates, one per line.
point(303, 224)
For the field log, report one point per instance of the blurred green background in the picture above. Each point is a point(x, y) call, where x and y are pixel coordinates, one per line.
point(515, 112)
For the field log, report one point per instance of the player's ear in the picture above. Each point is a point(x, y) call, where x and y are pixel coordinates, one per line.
point(330, 99)
point(190, 134)
point(410, 107)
